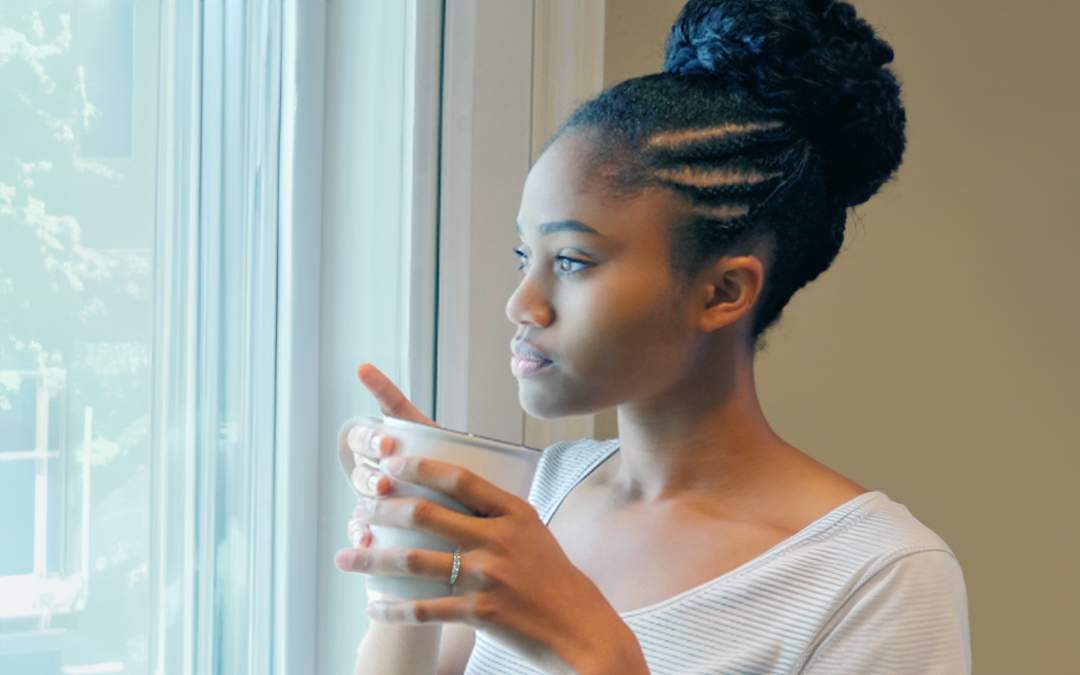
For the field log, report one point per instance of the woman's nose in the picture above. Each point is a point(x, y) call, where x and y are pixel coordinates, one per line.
point(528, 304)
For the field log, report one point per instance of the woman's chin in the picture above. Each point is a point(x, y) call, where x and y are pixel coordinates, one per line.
point(544, 404)
point(536, 403)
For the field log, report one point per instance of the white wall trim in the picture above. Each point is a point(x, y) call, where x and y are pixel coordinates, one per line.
point(512, 72)
point(486, 125)
point(568, 69)
point(568, 62)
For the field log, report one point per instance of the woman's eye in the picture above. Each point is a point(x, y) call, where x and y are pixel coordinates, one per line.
point(560, 258)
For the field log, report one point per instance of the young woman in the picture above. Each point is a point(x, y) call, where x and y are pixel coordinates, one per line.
point(664, 229)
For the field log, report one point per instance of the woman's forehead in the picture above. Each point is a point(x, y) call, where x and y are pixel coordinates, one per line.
point(563, 169)
point(565, 185)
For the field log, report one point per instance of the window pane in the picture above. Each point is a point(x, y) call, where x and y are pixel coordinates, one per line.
point(78, 140)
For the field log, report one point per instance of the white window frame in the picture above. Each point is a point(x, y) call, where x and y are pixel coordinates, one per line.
point(356, 66)
point(297, 391)
point(215, 380)
point(510, 71)
point(305, 393)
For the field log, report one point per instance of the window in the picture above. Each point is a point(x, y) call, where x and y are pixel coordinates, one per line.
point(202, 208)
point(138, 303)
point(78, 161)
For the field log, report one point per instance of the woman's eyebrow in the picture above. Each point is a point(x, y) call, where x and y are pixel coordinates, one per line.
point(562, 226)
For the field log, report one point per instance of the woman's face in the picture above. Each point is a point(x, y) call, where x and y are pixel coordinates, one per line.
point(609, 318)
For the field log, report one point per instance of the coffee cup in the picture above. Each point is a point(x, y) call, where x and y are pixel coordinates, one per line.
point(510, 467)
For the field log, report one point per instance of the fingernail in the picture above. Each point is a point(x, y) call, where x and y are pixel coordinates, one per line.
point(376, 441)
point(344, 559)
point(356, 438)
point(373, 483)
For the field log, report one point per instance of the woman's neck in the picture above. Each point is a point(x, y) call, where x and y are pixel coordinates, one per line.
point(702, 436)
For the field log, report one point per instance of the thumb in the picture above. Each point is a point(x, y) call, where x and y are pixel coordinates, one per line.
point(390, 399)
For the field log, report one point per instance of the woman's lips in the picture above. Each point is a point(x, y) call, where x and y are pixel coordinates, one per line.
point(524, 367)
point(528, 350)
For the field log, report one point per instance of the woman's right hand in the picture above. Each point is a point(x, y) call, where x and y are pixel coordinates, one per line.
point(363, 440)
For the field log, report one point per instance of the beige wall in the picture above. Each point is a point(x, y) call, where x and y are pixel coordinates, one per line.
point(937, 359)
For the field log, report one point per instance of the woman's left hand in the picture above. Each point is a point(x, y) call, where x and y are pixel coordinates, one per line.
point(515, 582)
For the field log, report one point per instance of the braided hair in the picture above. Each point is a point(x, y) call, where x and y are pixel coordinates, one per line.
point(771, 119)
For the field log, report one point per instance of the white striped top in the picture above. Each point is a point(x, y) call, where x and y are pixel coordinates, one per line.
point(864, 589)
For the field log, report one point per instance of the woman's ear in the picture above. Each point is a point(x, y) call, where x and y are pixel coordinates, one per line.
point(729, 291)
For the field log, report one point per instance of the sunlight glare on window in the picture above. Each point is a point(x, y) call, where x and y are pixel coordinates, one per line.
point(77, 226)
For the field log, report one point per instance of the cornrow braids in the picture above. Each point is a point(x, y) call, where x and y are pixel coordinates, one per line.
point(770, 120)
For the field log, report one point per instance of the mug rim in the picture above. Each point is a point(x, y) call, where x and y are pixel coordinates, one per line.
point(461, 436)
point(348, 462)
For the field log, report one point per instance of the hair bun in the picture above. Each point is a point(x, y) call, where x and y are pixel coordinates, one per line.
point(816, 64)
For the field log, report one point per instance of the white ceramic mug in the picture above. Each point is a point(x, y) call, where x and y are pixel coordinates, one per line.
point(511, 467)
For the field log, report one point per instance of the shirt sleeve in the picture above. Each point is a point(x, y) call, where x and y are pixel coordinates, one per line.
point(910, 617)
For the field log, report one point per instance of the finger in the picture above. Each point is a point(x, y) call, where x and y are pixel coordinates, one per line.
point(369, 482)
point(476, 493)
point(391, 401)
point(416, 563)
point(366, 441)
point(456, 609)
point(423, 515)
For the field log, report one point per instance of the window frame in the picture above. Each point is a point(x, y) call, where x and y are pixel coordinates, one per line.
point(213, 453)
point(396, 328)
point(550, 54)
point(296, 482)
